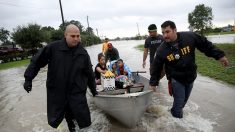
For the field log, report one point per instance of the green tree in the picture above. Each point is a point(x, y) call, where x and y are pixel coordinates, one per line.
point(4, 35)
point(47, 33)
point(47, 28)
point(77, 23)
point(57, 34)
point(87, 35)
point(90, 31)
point(200, 18)
point(29, 37)
point(217, 29)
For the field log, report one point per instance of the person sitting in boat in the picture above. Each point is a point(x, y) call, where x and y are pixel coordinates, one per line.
point(111, 54)
point(113, 67)
point(123, 69)
point(100, 68)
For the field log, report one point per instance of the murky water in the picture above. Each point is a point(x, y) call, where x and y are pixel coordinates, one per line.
point(227, 38)
point(210, 108)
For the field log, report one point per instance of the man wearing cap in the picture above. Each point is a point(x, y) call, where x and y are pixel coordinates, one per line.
point(111, 54)
point(105, 45)
point(151, 43)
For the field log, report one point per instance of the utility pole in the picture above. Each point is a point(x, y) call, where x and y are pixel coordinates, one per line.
point(88, 25)
point(88, 29)
point(97, 32)
point(138, 31)
point(62, 15)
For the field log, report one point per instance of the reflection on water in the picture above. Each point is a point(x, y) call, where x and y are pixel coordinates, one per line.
point(23, 112)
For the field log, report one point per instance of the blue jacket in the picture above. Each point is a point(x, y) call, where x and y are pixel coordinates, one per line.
point(127, 69)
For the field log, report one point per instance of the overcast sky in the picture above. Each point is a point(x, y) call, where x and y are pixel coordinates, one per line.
point(112, 18)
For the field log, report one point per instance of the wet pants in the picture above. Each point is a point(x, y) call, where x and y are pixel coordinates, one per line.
point(181, 93)
point(69, 119)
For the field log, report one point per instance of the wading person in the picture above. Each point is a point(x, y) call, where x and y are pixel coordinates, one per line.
point(69, 74)
point(151, 44)
point(177, 53)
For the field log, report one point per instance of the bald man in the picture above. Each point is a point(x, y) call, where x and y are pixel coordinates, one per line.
point(69, 74)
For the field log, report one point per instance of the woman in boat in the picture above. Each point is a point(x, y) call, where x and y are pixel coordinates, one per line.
point(100, 68)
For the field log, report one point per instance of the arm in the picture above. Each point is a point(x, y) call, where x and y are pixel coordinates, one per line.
point(91, 77)
point(103, 48)
point(145, 54)
point(117, 53)
point(145, 57)
point(100, 70)
point(224, 61)
point(106, 56)
point(208, 48)
point(155, 71)
point(40, 60)
point(127, 70)
point(211, 50)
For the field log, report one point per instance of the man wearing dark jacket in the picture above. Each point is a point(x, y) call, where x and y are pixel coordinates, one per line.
point(177, 53)
point(111, 54)
point(69, 74)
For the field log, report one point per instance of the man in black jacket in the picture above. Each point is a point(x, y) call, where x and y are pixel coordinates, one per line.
point(111, 54)
point(177, 53)
point(69, 74)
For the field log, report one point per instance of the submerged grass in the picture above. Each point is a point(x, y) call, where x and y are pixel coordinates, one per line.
point(14, 64)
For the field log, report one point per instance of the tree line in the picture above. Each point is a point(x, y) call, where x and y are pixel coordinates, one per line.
point(32, 36)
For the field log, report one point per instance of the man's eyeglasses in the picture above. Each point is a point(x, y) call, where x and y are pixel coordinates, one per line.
point(73, 36)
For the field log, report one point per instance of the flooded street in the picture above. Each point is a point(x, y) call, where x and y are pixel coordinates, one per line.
point(226, 38)
point(210, 108)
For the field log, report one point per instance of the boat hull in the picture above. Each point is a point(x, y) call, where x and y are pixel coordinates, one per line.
point(126, 108)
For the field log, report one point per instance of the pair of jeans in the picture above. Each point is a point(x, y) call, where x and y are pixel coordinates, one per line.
point(181, 93)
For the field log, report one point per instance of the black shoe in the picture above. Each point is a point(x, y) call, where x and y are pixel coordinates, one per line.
point(177, 115)
point(72, 129)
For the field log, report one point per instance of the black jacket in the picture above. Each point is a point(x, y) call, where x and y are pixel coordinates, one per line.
point(69, 74)
point(111, 54)
point(179, 57)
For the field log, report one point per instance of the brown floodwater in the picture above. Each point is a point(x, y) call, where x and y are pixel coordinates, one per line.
point(210, 108)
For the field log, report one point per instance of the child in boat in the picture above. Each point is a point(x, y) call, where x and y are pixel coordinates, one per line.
point(124, 74)
point(123, 69)
point(114, 68)
point(100, 68)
